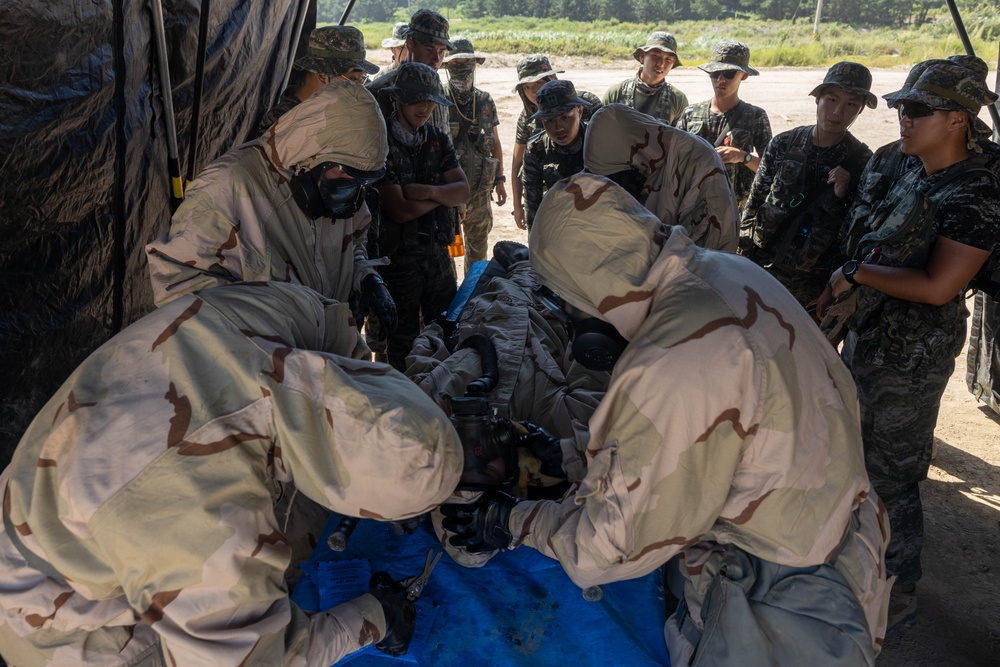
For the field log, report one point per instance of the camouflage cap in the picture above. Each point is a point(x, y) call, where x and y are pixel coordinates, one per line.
point(336, 50)
point(556, 98)
point(954, 85)
point(464, 51)
point(661, 40)
point(532, 68)
point(729, 55)
point(427, 25)
point(416, 82)
point(855, 78)
point(398, 36)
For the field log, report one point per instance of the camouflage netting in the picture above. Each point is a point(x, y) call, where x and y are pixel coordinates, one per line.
point(84, 164)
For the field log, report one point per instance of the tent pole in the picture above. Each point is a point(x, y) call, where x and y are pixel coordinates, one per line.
point(166, 90)
point(347, 12)
point(957, 18)
point(199, 81)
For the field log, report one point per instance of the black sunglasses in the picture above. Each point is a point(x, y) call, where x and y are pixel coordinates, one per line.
point(914, 110)
point(728, 74)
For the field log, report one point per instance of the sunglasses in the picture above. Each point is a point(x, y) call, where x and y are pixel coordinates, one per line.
point(914, 110)
point(726, 74)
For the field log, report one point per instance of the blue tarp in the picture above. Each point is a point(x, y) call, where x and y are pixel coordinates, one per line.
point(519, 610)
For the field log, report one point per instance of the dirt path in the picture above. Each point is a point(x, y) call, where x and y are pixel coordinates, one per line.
point(959, 619)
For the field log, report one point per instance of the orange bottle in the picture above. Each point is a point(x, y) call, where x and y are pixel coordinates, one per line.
point(457, 249)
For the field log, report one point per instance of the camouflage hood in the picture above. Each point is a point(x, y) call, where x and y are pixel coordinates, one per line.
point(340, 122)
point(580, 219)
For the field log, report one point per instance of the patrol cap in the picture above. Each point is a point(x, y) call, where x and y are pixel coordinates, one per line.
point(661, 40)
point(464, 51)
point(532, 68)
point(336, 50)
point(729, 55)
point(556, 98)
point(426, 25)
point(855, 78)
point(416, 82)
point(398, 36)
point(951, 85)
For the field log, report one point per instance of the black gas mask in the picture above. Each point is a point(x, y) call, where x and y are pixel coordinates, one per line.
point(335, 198)
point(597, 345)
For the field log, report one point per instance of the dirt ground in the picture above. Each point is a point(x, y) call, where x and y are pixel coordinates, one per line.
point(958, 623)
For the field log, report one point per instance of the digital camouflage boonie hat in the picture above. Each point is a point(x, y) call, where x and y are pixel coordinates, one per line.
point(427, 25)
point(532, 68)
point(416, 82)
point(556, 98)
point(951, 85)
point(336, 50)
point(661, 40)
point(398, 36)
point(464, 51)
point(855, 78)
point(729, 55)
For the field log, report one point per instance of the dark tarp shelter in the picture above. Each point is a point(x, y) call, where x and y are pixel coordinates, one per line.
point(84, 161)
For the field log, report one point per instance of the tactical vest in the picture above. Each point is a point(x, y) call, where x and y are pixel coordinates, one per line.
point(661, 106)
point(896, 332)
point(474, 142)
point(790, 232)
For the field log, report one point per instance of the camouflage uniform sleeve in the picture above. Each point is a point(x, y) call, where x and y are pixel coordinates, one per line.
point(523, 133)
point(203, 247)
point(646, 494)
point(534, 184)
point(682, 122)
point(678, 104)
point(760, 189)
point(761, 134)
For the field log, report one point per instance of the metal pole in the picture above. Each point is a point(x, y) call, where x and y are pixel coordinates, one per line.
point(199, 81)
point(957, 18)
point(293, 47)
point(819, 13)
point(166, 90)
point(347, 12)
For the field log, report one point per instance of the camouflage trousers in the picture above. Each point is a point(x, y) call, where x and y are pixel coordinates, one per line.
point(477, 227)
point(422, 287)
point(899, 411)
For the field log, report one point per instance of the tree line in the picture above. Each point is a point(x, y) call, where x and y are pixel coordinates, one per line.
point(858, 12)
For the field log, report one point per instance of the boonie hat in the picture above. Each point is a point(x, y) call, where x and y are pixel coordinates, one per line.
point(532, 68)
point(464, 51)
point(955, 84)
point(852, 77)
point(416, 82)
point(398, 36)
point(431, 26)
point(661, 40)
point(336, 50)
point(556, 98)
point(729, 55)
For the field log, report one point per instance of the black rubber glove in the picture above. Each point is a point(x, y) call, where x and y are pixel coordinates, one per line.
point(480, 526)
point(400, 614)
point(375, 298)
point(545, 447)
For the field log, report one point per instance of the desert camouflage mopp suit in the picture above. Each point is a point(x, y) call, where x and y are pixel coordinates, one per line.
point(730, 426)
point(138, 508)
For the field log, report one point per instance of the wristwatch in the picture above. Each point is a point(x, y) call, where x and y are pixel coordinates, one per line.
point(849, 268)
point(747, 157)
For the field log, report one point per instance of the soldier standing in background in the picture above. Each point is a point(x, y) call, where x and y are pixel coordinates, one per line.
point(474, 130)
point(335, 53)
point(648, 91)
point(533, 72)
point(396, 45)
point(805, 185)
point(736, 128)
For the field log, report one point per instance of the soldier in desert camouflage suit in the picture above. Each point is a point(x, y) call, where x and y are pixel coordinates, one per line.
point(138, 508)
point(335, 53)
point(805, 185)
point(533, 72)
point(676, 176)
point(648, 91)
point(925, 242)
point(240, 221)
point(751, 467)
point(734, 127)
point(476, 135)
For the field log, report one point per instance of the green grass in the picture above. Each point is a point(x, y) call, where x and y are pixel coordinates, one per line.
point(772, 43)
